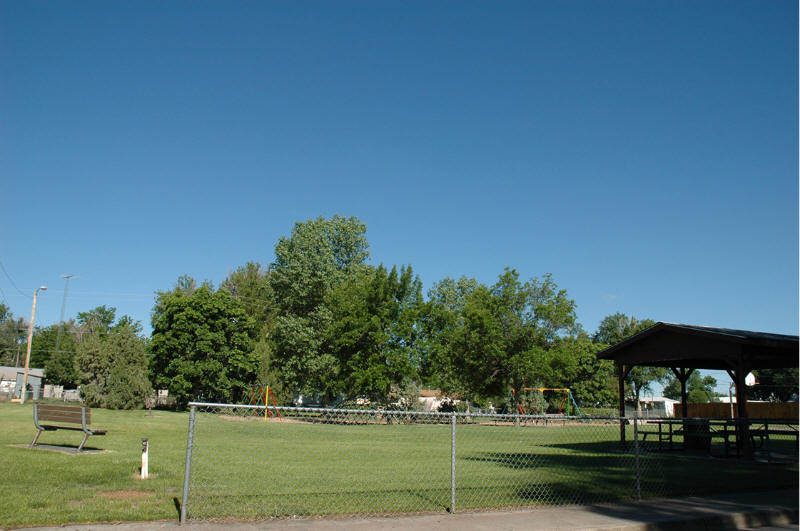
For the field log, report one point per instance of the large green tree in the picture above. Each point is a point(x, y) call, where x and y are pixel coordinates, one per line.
point(97, 320)
point(775, 385)
point(572, 363)
point(317, 257)
point(320, 255)
point(613, 329)
point(250, 284)
point(441, 316)
point(12, 336)
point(202, 346)
point(498, 337)
point(374, 332)
point(43, 346)
point(60, 364)
point(59, 369)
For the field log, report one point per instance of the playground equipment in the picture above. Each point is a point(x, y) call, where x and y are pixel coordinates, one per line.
point(567, 396)
point(261, 394)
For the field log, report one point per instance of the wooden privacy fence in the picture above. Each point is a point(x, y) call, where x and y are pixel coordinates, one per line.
point(755, 410)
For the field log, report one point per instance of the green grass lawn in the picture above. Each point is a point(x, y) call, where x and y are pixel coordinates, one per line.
point(43, 487)
point(256, 469)
point(285, 469)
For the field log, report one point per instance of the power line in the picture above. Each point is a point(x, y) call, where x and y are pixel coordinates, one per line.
point(13, 349)
point(12, 280)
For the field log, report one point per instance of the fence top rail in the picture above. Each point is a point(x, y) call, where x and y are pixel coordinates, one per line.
point(501, 416)
point(396, 412)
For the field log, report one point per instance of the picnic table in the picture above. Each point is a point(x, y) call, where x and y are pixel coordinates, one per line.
point(699, 433)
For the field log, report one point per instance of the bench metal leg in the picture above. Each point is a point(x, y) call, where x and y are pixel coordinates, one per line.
point(85, 436)
point(36, 438)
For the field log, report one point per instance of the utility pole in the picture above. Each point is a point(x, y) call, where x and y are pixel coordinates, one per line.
point(63, 307)
point(28, 349)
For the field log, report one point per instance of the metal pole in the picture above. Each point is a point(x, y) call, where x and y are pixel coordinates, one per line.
point(730, 398)
point(621, 378)
point(453, 464)
point(769, 445)
point(28, 347)
point(636, 445)
point(188, 469)
point(63, 307)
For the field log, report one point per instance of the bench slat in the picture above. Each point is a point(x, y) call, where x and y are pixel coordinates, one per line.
point(58, 407)
point(51, 427)
point(70, 414)
point(61, 417)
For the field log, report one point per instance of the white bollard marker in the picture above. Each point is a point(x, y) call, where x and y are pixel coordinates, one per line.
point(145, 450)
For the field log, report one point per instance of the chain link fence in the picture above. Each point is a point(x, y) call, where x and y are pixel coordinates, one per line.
point(252, 462)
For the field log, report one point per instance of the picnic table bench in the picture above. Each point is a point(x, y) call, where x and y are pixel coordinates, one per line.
point(763, 430)
point(663, 433)
point(64, 418)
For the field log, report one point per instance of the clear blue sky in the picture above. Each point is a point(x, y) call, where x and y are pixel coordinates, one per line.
point(644, 153)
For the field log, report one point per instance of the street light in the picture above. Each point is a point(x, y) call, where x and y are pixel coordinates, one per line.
point(28, 348)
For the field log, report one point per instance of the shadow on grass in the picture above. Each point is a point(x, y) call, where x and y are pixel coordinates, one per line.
point(588, 478)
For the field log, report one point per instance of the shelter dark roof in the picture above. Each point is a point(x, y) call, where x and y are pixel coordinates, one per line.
point(704, 347)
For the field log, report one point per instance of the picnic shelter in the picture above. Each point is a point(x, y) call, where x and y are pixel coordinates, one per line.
point(685, 348)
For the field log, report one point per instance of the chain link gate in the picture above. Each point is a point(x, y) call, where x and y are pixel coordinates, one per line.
point(247, 462)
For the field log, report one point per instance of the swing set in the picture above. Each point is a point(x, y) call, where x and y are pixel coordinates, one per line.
point(261, 394)
point(567, 396)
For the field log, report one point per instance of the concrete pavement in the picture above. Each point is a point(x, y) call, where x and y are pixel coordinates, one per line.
point(733, 511)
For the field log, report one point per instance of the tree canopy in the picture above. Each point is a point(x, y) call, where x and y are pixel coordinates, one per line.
point(320, 320)
point(613, 329)
point(486, 340)
point(699, 388)
point(319, 256)
point(111, 365)
point(202, 346)
point(373, 334)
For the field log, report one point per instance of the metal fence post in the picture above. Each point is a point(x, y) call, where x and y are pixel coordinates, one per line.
point(636, 446)
point(188, 469)
point(453, 464)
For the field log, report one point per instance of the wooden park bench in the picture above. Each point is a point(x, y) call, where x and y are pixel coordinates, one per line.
point(63, 418)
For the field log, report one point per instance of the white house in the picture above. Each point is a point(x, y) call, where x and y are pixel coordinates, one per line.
point(653, 407)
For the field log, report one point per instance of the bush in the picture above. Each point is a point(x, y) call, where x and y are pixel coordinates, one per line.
point(113, 370)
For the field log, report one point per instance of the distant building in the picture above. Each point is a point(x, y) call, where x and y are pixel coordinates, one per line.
point(729, 399)
point(432, 399)
point(652, 407)
point(11, 381)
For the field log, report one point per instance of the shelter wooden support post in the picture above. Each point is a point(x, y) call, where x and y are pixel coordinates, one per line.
point(683, 376)
point(622, 373)
point(742, 426)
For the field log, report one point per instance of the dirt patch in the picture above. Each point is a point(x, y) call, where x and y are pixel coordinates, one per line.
point(138, 476)
point(125, 494)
